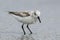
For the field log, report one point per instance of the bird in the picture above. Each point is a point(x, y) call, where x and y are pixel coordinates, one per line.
point(26, 17)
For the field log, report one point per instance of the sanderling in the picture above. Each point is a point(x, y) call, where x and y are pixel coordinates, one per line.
point(26, 17)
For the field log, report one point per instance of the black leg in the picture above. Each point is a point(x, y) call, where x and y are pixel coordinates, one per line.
point(23, 29)
point(29, 30)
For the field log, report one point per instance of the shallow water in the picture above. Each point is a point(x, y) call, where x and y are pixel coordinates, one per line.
point(48, 29)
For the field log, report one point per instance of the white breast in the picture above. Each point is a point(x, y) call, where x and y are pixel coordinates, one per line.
point(25, 20)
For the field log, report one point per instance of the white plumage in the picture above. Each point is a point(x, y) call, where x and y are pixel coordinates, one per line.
point(26, 17)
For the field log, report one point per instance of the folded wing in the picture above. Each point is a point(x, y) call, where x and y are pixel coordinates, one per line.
point(21, 14)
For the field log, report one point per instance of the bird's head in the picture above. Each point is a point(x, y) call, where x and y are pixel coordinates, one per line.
point(37, 14)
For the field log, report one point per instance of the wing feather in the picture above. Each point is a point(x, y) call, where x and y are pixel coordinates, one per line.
point(21, 14)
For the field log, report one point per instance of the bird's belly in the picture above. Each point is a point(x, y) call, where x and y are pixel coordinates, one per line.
point(25, 20)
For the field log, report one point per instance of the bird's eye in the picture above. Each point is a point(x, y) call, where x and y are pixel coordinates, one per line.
point(34, 13)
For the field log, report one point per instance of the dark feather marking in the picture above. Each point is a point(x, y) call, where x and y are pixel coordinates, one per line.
point(18, 14)
point(26, 13)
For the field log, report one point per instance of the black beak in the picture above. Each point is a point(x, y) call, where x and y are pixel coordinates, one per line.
point(39, 19)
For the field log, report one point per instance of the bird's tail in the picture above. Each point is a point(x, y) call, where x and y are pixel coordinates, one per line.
point(14, 13)
point(11, 12)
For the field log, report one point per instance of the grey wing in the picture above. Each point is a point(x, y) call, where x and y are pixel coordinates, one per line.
point(21, 14)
